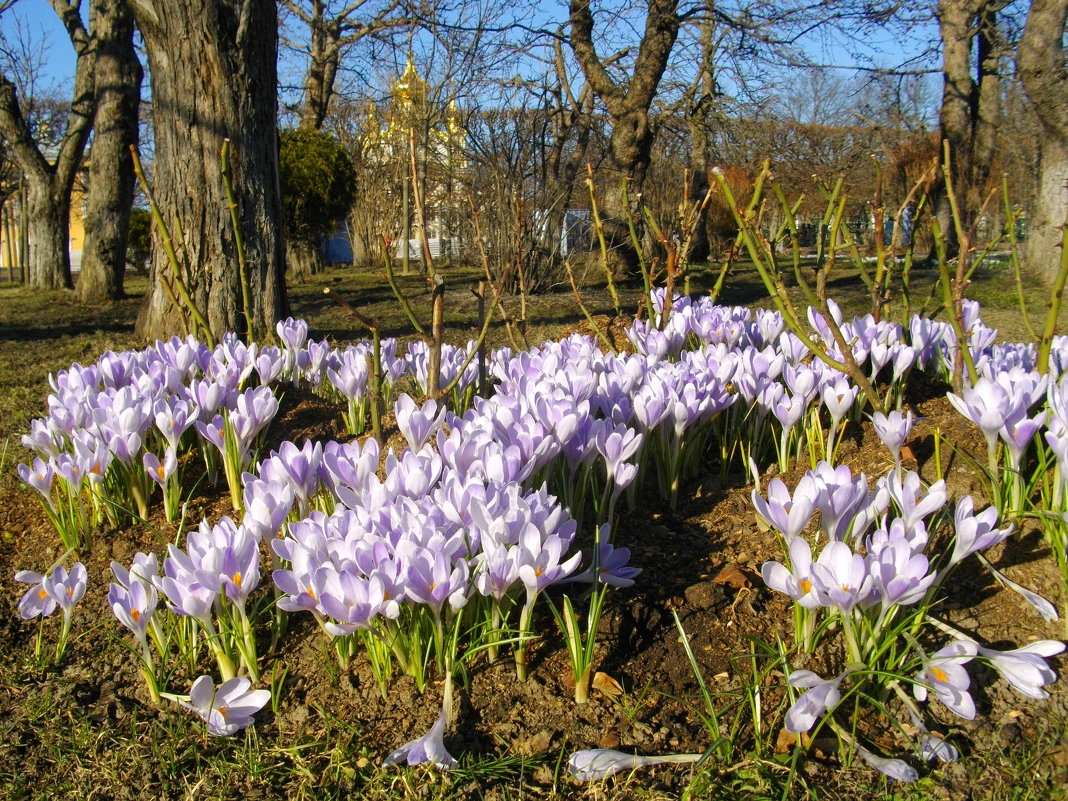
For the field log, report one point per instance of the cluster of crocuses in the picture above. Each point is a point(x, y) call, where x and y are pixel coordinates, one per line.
point(448, 552)
point(873, 569)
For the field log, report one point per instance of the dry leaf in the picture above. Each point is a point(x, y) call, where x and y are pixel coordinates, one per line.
point(785, 742)
point(604, 683)
point(908, 453)
point(732, 576)
point(610, 739)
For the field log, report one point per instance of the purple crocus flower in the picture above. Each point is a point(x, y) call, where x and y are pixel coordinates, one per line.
point(845, 503)
point(841, 577)
point(157, 471)
point(839, 398)
point(898, 574)
point(798, 583)
point(39, 477)
point(297, 467)
point(1025, 668)
point(912, 502)
point(417, 423)
point(599, 763)
point(144, 570)
point(894, 768)
point(227, 708)
point(612, 565)
point(66, 588)
point(428, 749)
point(785, 513)
point(351, 374)
point(292, 332)
point(267, 504)
point(948, 680)
point(893, 429)
point(37, 600)
point(133, 606)
point(987, 405)
point(354, 602)
point(975, 532)
point(433, 581)
point(820, 695)
point(172, 417)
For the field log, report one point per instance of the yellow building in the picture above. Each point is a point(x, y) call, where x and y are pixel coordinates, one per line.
point(408, 119)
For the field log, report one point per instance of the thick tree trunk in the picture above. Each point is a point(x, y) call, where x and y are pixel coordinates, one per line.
point(213, 68)
point(50, 180)
point(111, 176)
point(971, 107)
point(49, 220)
point(1044, 239)
point(1041, 61)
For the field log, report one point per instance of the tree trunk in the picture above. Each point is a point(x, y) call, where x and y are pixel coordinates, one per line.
point(111, 177)
point(49, 217)
point(628, 104)
point(1051, 210)
point(1041, 61)
point(213, 68)
point(50, 180)
point(970, 111)
point(325, 57)
point(303, 260)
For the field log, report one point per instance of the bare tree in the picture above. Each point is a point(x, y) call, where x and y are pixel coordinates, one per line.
point(971, 94)
point(628, 101)
point(213, 65)
point(50, 172)
point(118, 77)
point(1041, 61)
point(333, 28)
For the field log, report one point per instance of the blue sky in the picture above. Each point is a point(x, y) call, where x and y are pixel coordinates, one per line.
point(36, 18)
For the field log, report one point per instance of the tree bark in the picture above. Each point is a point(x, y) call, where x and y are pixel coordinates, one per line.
point(1041, 61)
point(214, 77)
point(970, 111)
point(325, 57)
point(628, 105)
point(50, 182)
point(111, 176)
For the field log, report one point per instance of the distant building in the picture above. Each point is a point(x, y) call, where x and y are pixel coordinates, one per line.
point(440, 154)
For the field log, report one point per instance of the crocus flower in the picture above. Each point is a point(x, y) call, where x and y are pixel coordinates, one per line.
point(1025, 668)
point(39, 477)
point(934, 747)
point(893, 429)
point(839, 397)
point(133, 606)
point(598, 763)
point(417, 423)
point(948, 680)
point(787, 514)
point(796, 583)
point(987, 405)
point(912, 501)
point(841, 577)
point(430, 748)
point(820, 695)
point(894, 768)
point(66, 588)
point(227, 708)
point(160, 471)
point(37, 600)
point(975, 532)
